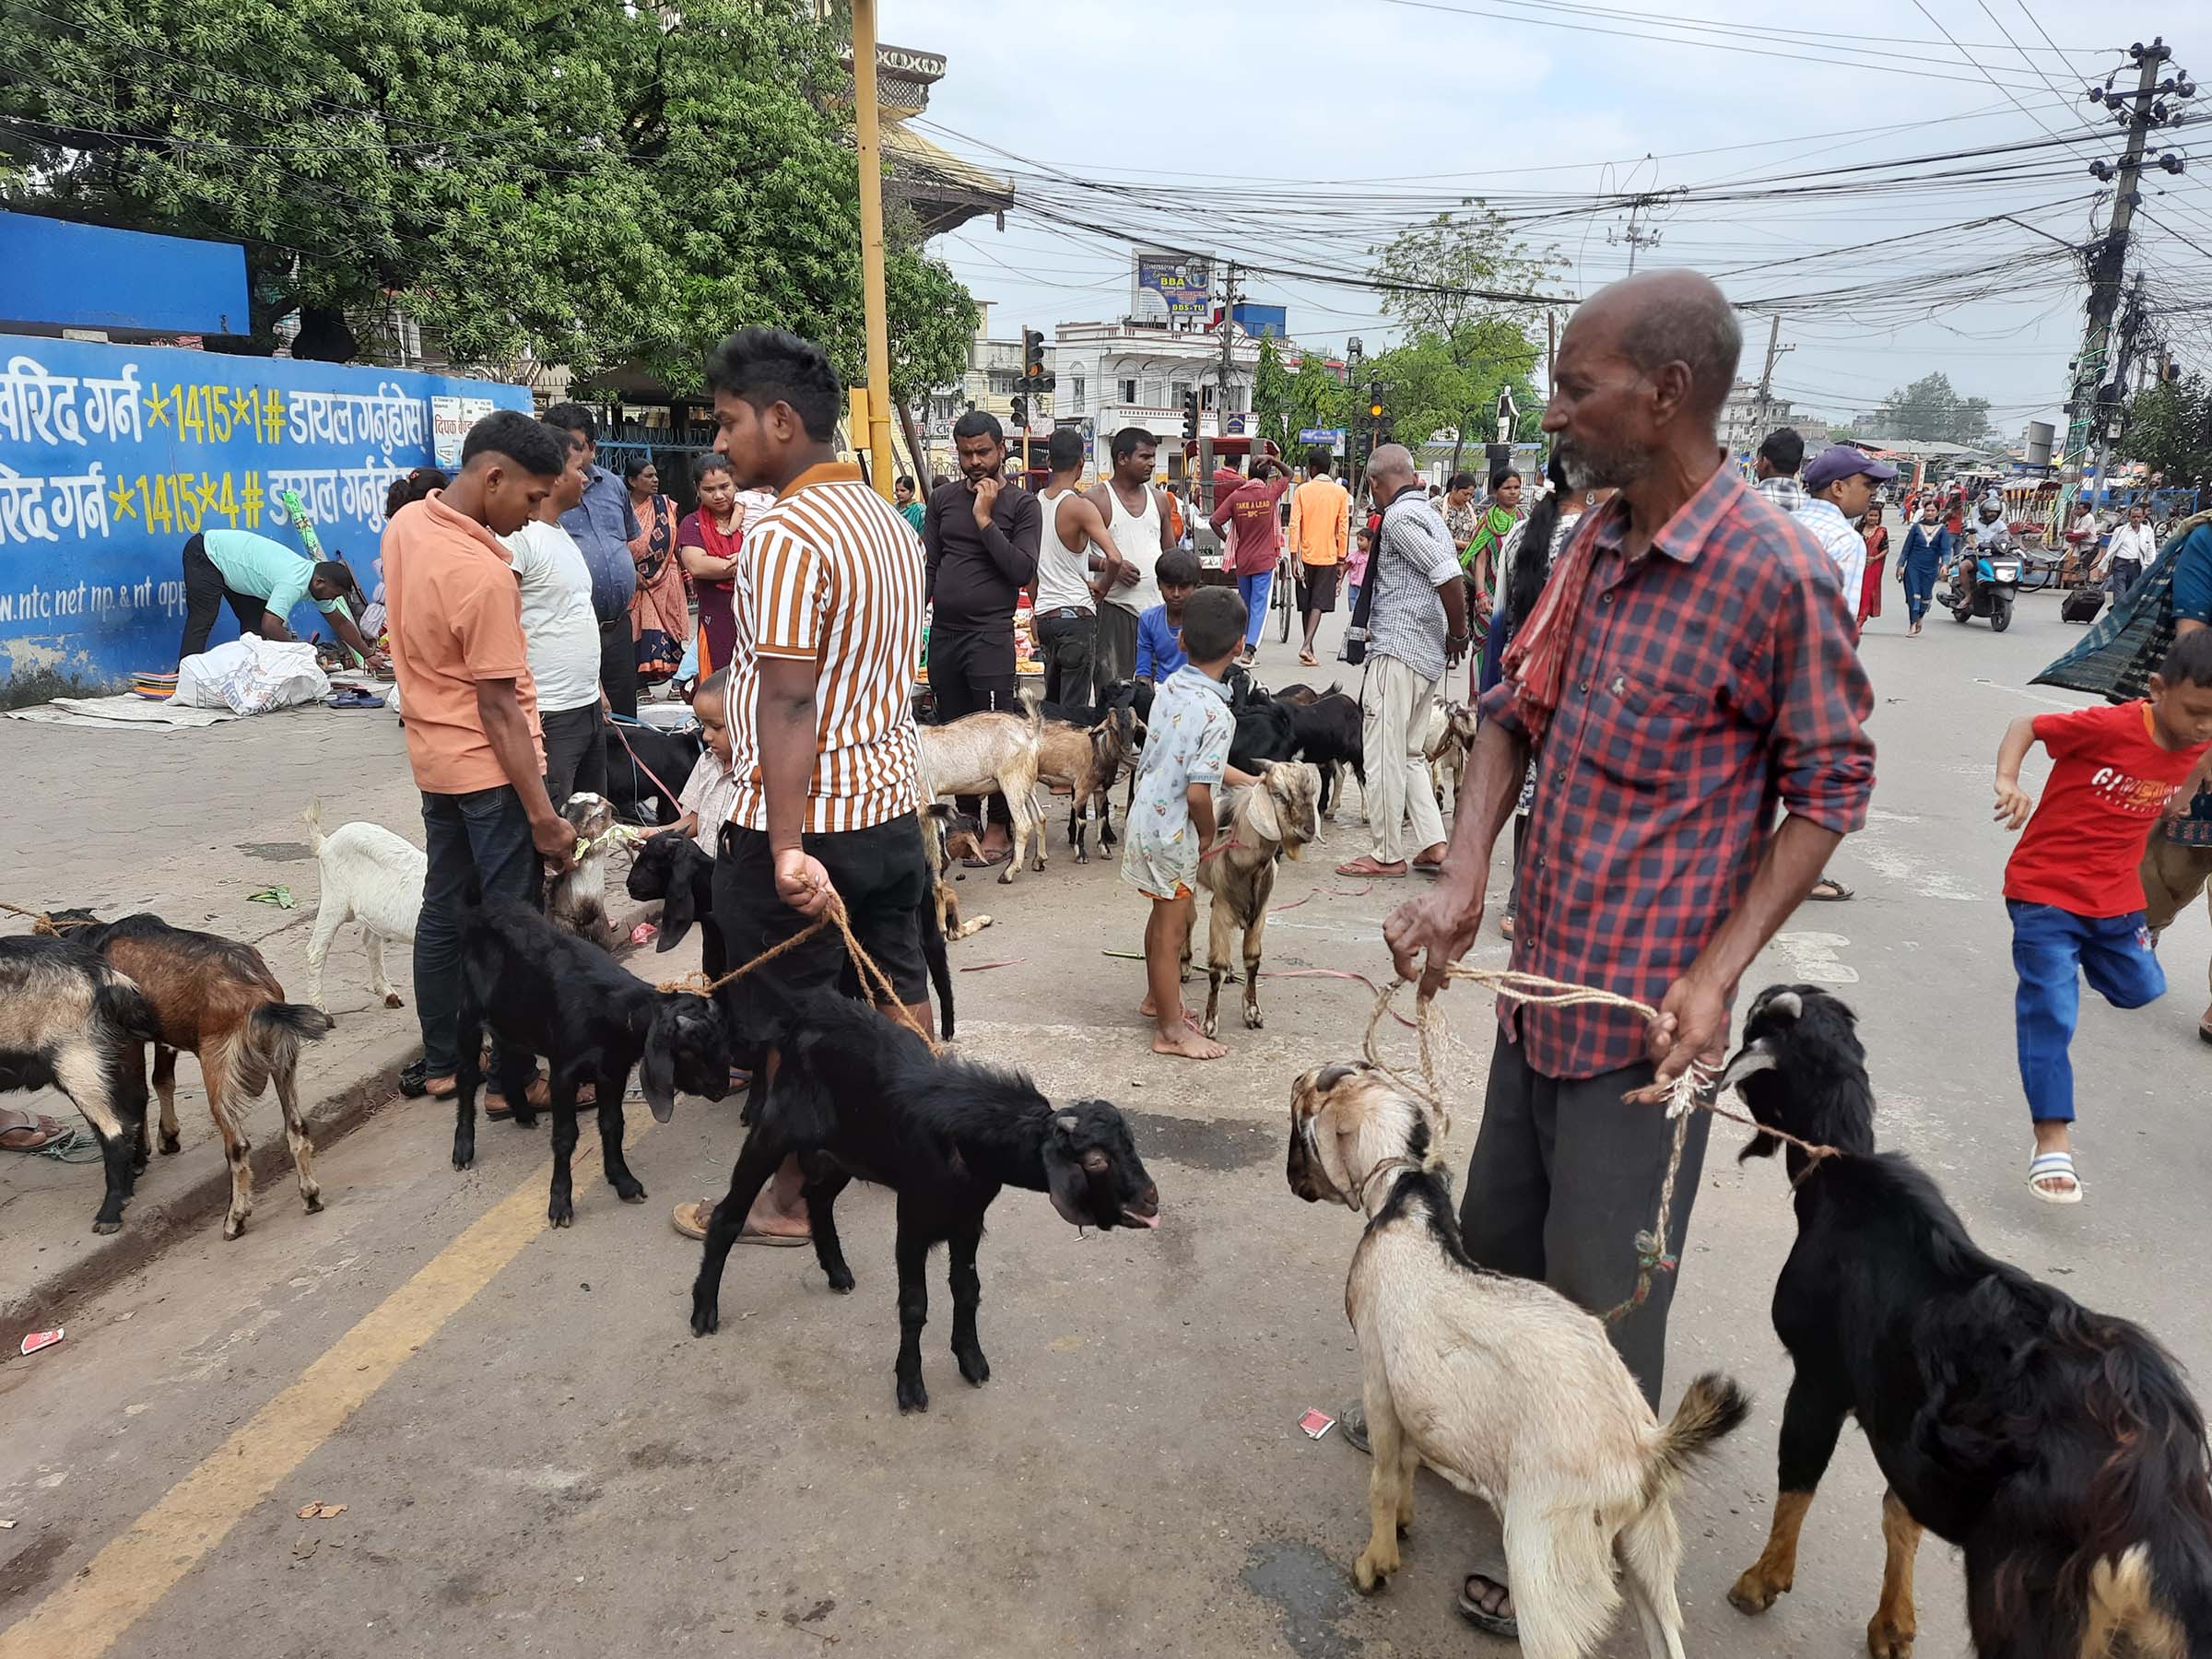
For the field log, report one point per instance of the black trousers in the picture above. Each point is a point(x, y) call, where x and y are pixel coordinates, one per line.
point(1565, 1174)
point(575, 753)
point(1064, 640)
point(619, 666)
point(969, 672)
point(205, 596)
point(484, 835)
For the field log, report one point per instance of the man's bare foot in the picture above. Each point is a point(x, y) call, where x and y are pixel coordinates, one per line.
point(1189, 1044)
point(767, 1221)
point(1149, 1012)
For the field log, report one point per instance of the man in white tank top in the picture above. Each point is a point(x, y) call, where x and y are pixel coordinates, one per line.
point(1138, 521)
point(1068, 592)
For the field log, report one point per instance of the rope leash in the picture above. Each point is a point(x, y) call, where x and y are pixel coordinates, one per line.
point(41, 922)
point(1693, 1091)
point(873, 978)
point(667, 795)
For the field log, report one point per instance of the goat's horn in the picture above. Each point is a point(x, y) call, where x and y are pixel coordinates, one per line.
point(1756, 1057)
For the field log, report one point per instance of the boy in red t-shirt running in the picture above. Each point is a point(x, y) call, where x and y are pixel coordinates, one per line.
point(2071, 885)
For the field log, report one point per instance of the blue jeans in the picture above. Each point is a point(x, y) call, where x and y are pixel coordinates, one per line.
point(481, 836)
point(1920, 587)
point(2050, 949)
point(1252, 590)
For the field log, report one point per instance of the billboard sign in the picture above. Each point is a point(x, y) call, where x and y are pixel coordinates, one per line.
point(1182, 282)
point(113, 457)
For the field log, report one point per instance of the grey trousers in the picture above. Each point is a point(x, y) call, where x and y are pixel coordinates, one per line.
point(1565, 1174)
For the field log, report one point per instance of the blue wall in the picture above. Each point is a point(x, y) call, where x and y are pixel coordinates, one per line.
point(111, 456)
point(58, 274)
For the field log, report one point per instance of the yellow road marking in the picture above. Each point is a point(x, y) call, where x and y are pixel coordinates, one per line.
point(87, 1615)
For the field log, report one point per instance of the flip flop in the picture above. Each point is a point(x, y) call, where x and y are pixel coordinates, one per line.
point(2046, 1165)
point(1476, 1614)
point(989, 860)
point(1366, 866)
point(34, 1134)
point(1309, 659)
point(691, 1219)
point(1835, 891)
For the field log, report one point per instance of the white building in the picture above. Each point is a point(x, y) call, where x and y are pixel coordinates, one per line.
point(1135, 373)
point(990, 384)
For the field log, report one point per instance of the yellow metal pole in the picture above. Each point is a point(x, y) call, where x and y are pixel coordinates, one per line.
point(881, 465)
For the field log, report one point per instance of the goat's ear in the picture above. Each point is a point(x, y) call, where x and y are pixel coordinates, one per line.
point(679, 910)
point(656, 1066)
point(1753, 1057)
point(1262, 813)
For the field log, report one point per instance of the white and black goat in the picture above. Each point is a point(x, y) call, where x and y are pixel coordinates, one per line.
point(542, 990)
point(856, 1094)
point(2055, 1446)
point(71, 1020)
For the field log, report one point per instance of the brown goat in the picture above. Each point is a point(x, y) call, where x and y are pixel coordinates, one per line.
point(1086, 760)
point(217, 998)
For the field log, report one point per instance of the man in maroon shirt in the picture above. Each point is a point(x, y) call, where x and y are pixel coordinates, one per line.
point(1254, 509)
point(1691, 662)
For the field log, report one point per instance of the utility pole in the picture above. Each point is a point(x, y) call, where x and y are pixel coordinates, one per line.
point(881, 465)
point(2093, 409)
point(1766, 376)
point(1635, 238)
point(2131, 325)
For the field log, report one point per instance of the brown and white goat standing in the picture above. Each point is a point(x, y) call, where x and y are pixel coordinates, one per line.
point(1275, 817)
point(217, 998)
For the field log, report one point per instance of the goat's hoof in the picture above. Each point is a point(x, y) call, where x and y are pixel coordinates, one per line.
point(629, 1191)
point(1890, 1638)
point(170, 1145)
point(314, 1202)
point(973, 1366)
point(1209, 1025)
point(1370, 1573)
point(106, 1227)
point(1754, 1592)
point(561, 1212)
point(1254, 1019)
point(706, 1316)
point(463, 1156)
point(841, 1279)
point(1081, 856)
point(912, 1396)
point(391, 1000)
point(138, 1162)
point(234, 1227)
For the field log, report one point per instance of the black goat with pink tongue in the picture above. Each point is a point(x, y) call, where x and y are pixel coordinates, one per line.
point(859, 1095)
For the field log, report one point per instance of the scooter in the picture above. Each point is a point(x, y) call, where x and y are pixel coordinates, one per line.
point(1996, 581)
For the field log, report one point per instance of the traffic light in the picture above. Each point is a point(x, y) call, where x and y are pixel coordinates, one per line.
point(1021, 412)
point(1032, 355)
point(1378, 419)
point(1190, 416)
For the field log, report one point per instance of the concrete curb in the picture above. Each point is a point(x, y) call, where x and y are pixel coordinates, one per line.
point(150, 1226)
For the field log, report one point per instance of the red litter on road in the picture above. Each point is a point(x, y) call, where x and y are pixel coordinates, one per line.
point(1316, 1423)
point(42, 1339)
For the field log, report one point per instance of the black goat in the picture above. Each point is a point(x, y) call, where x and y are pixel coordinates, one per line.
point(680, 873)
point(2055, 1445)
point(1330, 735)
point(543, 991)
point(631, 769)
point(71, 1020)
point(1265, 731)
point(856, 1094)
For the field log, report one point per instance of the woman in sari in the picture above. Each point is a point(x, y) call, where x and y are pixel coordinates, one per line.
point(660, 613)
point(707, 541)
point(1478, 558)
point(1877, 558)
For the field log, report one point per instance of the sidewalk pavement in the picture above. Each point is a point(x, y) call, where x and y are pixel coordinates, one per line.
point(186, 824)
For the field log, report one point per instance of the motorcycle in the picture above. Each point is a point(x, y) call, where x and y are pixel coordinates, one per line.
point(1996, 582)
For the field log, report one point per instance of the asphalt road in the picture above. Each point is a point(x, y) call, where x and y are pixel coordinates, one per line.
point(534, 1455)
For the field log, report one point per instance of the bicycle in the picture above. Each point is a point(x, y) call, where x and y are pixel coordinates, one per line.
point(1283, 599)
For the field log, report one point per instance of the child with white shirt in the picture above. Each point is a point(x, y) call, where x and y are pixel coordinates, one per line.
point(713, 786)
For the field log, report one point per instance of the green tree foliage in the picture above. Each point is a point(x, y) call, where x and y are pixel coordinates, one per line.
point(2170, 430)
point(591, 185)
point(1458, 348)
point(1931, 411)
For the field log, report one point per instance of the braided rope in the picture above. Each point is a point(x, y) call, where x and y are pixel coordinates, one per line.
point(873, 977)
point(1693, 1091)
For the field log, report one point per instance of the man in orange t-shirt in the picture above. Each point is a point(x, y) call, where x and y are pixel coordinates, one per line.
point(1321, 513)
point(455, 615)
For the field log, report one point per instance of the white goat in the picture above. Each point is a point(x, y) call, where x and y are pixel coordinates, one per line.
point(1500, 1385)
point(372, 877)
point(1447, 742)
point(993, 751)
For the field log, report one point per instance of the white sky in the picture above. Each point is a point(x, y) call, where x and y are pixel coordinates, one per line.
point(1354, 89)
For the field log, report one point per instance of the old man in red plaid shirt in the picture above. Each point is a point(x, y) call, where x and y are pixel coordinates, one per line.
point(1690, 664)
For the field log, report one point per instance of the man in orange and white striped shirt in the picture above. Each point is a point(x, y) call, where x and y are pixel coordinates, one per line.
point(828, 599)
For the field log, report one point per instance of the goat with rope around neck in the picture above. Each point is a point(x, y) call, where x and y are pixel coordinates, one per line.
point(1500, 1385)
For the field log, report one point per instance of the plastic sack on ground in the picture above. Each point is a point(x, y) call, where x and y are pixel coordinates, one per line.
point(252, 675)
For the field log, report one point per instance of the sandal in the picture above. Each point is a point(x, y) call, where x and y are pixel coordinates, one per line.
point(1364, 865)
point(1481, 1618)
point(30, 1132)
point(984, 861)
point(1828, 890)
point(2053, 1166)
point(691, 1221)
point(1309, 659)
